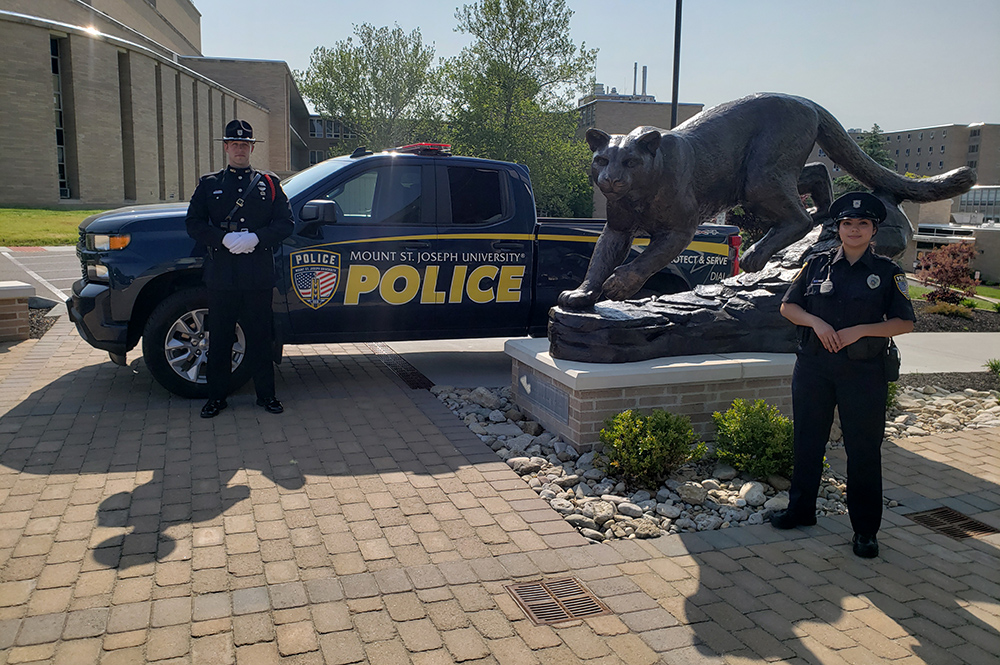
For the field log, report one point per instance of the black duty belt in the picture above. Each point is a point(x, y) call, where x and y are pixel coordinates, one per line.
point(228, 224)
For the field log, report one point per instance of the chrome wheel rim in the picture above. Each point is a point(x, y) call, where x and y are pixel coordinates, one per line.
point(186, 346)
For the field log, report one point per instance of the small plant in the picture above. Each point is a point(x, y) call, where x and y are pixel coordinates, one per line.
point(754, 437)
point(993, 365)
point(949, 309)
point(996, 307)
point(644, 450)
point(968, 302)
point(891, 396)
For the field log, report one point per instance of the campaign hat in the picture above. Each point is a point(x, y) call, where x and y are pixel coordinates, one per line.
point(238, 130)
point(858, 205)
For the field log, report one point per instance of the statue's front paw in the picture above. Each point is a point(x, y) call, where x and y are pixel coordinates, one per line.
point(753, 260)
point(577, 299)
point(620, 287)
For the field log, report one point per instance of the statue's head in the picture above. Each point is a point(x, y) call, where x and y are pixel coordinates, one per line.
point(623, 164)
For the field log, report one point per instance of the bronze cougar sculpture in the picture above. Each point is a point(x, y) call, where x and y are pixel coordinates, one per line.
point(748, 152)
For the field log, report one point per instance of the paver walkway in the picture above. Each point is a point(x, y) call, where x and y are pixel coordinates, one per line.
point(366, 524)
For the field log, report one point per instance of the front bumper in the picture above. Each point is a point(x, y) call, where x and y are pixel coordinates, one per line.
point(90, 310)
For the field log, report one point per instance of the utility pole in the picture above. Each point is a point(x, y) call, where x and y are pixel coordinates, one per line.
point(677, 64)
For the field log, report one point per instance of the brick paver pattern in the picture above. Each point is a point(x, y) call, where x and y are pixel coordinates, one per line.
point(367, 524)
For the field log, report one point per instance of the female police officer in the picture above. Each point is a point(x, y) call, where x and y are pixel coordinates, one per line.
point(846, 302)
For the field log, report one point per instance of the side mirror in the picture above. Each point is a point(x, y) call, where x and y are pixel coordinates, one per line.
point(321, 212)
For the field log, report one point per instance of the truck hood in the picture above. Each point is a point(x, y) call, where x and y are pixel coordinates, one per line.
point(121, 219)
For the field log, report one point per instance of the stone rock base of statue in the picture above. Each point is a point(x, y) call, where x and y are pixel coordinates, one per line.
point(573, 399)
point(740, 315)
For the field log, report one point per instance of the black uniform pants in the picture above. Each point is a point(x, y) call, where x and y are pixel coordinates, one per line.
point(252, 308)
point(858, 387)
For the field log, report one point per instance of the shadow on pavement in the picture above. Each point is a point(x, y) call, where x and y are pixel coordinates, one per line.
point(941, 592)
point(345, 416)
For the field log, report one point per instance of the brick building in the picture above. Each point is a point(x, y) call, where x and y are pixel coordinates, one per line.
point(109, 102)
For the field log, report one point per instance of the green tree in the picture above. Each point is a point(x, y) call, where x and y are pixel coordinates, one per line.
point(510, 95)
point(381, 87)
point(873, 145)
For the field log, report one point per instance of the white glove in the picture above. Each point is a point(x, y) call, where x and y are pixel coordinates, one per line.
point(245, 244)
point(229, 240)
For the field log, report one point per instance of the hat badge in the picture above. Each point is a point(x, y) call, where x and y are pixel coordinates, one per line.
point(857, 203)
point(239, 132)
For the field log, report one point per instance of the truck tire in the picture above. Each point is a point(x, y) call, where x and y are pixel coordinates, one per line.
point(175, 345)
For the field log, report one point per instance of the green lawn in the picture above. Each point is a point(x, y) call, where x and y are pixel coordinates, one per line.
point(21, 227)
point(988, 291)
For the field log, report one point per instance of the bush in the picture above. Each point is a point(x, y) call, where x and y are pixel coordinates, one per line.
point(968, 303)
point(644, 450)
point(948, 269)
point(754, 438)
point(996, 307)
point(993, 365)
point(949, 309)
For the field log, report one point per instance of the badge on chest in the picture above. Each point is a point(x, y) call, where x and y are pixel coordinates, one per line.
point(873, 281)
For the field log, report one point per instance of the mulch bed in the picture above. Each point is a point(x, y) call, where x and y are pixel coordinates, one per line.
point(981, 321)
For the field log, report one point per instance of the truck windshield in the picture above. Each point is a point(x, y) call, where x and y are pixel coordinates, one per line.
point(296, 184)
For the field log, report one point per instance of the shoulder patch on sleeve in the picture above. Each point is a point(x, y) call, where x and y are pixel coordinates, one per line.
point(902, 285)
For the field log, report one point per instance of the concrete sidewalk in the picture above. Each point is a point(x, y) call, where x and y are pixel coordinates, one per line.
point(367, 524)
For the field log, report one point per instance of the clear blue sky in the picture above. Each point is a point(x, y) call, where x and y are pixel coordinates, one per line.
point(898, 63)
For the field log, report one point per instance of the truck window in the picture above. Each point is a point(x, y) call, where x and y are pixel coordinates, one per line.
point(384, 195)
point(477, 196)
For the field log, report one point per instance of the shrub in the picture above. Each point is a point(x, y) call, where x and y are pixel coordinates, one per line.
point(948, 269)
point(993, 365)
point(949, 309)
point(892, 396)
point(754, 437)
point(644, 450)
point(996, 307)
point(968, 303)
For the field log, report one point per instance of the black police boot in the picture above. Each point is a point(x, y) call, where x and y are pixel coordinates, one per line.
point(213, 407)
point(865, 547)
point(271, 404)
point(786, 519)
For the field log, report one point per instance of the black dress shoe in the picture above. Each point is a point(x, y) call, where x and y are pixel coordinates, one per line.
point(788, 520)
point(271, 404)
point(865, 547)
point(213, 407)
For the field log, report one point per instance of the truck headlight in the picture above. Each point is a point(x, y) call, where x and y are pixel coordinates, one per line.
point(97, 273)
point(101, 242)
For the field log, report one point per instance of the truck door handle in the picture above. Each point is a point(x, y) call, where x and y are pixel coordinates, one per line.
point(507, 246)
point(416, 245)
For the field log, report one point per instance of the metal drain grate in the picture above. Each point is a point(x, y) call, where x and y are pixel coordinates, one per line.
point(951, 523)
point(556, 600)
point(410, 375)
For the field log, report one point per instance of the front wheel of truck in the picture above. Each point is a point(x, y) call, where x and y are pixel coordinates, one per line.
point(175, 345)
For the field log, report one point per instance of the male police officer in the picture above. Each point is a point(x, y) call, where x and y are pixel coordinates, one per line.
point(241, 215)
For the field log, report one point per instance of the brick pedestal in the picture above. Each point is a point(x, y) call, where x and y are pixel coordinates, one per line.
point(14, 325)
point(573, 399)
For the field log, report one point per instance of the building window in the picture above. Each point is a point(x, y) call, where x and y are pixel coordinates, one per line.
point(64, 192)
point(942, 149)
point(906, 167)
point(907, 152)
point(330, 133)
point(907, 137)
point(916, 167)
point(972, 164)
point(928, 164)
point(918, 150)
point(973, 133)
point(973, 148)
point(316, 156)
point(315, 128)
point(944, 133)
point(921, 136)
point(940, 165)
point(897, 153)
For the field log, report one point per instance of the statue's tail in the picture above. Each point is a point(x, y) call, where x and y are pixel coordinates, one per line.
point(842, 149)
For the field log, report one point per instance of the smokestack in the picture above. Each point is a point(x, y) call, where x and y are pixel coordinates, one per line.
point(635, 75)
point(644, 80)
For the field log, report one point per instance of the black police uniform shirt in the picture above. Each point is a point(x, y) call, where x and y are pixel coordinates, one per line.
point(265, 212)
point(871, 290)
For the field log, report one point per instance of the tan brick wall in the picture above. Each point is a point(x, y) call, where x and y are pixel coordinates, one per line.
point(188, 173)
point(168, 100)
point(147, 180)
point(27, 133)
point(588, 409)
point(97, 114)
point(14, 323)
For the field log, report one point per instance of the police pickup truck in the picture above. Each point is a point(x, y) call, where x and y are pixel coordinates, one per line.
point(409, 244)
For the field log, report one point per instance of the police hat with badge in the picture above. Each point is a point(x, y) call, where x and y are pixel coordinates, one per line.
point(239, 130)
point(858, 205)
